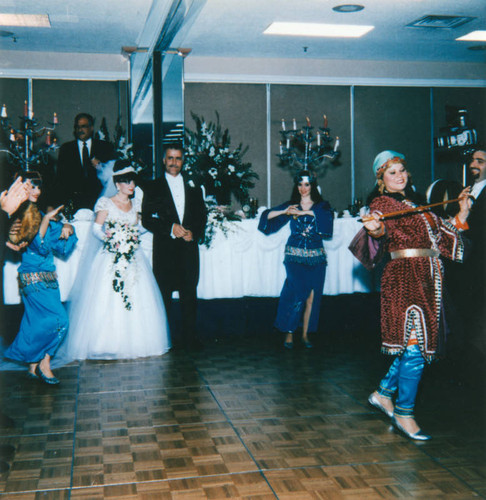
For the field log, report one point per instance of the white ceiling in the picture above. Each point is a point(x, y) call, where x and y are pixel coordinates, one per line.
point(234, 28)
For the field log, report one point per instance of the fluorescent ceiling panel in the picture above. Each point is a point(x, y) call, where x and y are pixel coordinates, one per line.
point(474, 36)
point(25, 20)
point(318, 30)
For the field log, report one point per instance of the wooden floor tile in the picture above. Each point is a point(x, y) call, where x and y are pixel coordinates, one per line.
point(235, 421)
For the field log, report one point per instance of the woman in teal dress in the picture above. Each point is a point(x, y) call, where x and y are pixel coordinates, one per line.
point(311, 220)
point(45, 322)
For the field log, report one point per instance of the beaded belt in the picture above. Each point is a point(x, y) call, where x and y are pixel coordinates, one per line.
point(26, 279)
point(414, 252)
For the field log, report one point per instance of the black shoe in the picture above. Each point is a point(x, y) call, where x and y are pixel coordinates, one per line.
point(46, 380)
point(6, 452)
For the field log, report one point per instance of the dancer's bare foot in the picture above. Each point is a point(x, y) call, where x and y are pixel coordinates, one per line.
point(45, 367)
point(289, 341)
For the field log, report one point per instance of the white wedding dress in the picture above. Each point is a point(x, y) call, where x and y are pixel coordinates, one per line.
point(100, 325)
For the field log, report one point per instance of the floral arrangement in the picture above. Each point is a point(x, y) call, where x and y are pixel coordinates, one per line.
point(218, 219)
point(122, 240)
point(209, 162)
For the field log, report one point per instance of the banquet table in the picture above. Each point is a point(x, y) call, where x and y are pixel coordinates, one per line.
point(241, 263)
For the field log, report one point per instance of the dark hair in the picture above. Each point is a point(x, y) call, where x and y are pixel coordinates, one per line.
point(83, 115)
point(33, 176)
point(314, 193)
point(127, 177)
point(479, 147)
point(174, 145)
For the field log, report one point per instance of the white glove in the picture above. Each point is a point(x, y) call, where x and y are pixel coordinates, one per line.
point(97, 230)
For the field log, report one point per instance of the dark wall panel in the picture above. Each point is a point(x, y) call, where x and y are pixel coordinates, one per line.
point(68, 98)
point(242, 110)
point(397, 119)
point(313, 101)
point(13, 93)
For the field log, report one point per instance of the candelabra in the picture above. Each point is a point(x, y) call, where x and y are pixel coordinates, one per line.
point(302, 149)
point(23, 150)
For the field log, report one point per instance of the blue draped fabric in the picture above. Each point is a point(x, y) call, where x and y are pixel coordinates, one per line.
point(304, 274)
point(45, 322)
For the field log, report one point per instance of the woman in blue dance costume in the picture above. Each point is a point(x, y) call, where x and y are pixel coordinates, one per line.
point(311, 220)
point(45, 322)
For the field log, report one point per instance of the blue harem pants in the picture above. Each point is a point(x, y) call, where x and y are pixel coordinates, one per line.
point(404, 374)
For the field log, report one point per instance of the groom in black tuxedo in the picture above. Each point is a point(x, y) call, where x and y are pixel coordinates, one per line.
point(78, 161)
point(176, 215)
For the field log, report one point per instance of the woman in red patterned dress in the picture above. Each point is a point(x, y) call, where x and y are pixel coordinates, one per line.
point(411, 286)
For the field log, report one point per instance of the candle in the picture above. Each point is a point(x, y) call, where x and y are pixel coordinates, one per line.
point(4, 111)
point(12, 135)
point(336, 144)
point(294, 123)
point(55, 119)
point(288, 143)
point(281, 148)
point(48, 138)
point(26, 109)
point(325, 121)
point(308, 121)
point(318, 138)
point(283, 124)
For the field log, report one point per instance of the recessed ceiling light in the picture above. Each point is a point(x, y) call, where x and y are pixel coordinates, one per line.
point(474, 36)
point(25, 20)
point(348, 7)
point(319, 30)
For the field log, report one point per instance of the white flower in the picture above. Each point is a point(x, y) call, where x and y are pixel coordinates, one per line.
point(122, 240)
point(212, 151)
point(231, 168)
point(191, 183)
point(213, 172)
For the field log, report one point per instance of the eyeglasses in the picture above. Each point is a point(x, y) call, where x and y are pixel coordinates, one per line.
point(83, 126)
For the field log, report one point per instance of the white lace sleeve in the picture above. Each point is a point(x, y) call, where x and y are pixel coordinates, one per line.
point(102, 204)
point(137, 204)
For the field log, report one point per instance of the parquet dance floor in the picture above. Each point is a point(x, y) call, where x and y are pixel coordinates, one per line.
point(241, 419)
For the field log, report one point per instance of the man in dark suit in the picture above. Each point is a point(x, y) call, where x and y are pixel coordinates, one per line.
point(475, 264)
point(78, 161)
point(176, 215)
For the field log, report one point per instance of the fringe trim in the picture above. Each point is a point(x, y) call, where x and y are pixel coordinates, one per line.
point(397, 351)
point(306, 256)
point(28, 281)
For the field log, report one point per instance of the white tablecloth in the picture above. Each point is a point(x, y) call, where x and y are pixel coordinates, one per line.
point(243, 263)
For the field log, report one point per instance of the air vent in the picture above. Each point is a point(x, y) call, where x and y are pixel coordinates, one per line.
point(440, 21)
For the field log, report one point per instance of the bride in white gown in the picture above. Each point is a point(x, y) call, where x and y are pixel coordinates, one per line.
point(116, 310)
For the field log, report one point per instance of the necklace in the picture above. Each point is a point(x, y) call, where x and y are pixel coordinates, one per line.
point(122, 201)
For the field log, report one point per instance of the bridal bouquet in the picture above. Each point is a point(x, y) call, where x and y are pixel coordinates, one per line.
point(122, 240)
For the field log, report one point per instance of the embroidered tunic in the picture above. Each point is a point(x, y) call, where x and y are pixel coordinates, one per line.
point(411, 287)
